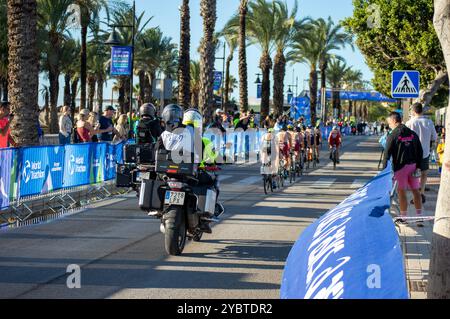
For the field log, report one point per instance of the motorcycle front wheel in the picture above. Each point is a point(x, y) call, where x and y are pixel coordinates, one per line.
point(175, 230)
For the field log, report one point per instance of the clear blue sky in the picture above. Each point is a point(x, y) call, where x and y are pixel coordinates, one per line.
point(166, 15)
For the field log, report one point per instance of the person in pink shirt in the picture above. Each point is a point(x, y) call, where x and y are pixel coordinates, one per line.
point(5, 132)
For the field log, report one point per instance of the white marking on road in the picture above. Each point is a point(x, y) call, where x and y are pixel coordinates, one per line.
point(224, 177)
point(324, 182)
point(358, 183)
point(249, 180)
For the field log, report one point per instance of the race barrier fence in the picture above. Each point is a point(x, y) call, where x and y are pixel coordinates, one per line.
point(352, 252)
point(33, 172)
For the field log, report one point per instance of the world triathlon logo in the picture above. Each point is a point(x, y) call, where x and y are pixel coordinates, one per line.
point(27, 172)
point(71, 166)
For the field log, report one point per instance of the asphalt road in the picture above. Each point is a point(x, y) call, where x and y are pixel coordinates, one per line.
point(121, 251)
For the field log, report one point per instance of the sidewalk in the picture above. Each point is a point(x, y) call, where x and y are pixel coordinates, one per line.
point(416, 242)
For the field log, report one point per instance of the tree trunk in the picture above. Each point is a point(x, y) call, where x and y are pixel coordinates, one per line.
point(243, 84)
point(23, 71)
point(67, 96)
point(335, 100)
point(53, 78)
point(350, 108)
point(148, 88)
point(313, 93)
point(91, 96)
point(83, 66)
point(265, 64)
point(227, 79)
point(122, 98)
point(142, 83)
point(279, 72)
point(184, 63)
point(73, 96)
point(100, 83)
point(207, 60)
point(439, 279)
point(323, 80)
point(427, 95)
point(47, 108)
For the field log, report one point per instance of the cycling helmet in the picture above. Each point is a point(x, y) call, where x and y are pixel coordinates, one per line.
point(147, 109)
point(172, 115)
point(298, 128)
point(290, 127)
point(270, 130)
point(193, 117)
point(335, 128)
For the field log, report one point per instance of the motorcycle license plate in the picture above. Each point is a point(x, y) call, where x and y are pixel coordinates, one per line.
point(174, 198)
point(143, 175)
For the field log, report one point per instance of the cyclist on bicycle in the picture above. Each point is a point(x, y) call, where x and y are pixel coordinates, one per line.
point(318, 141)
point(299, 142)
point(309, 143)
point(285, 142)
point(335, 139)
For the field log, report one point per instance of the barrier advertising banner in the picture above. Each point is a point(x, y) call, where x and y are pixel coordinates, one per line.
point(352, 252)
point(76, 165)
point(41, 170)
point(109, 162)
point(8, 182)
point(97, 153)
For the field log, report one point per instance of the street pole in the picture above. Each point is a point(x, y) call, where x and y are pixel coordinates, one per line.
point(130, 133)
point(223, 73)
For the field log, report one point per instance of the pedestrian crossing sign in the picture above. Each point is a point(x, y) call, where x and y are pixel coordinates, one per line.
point(405, 84)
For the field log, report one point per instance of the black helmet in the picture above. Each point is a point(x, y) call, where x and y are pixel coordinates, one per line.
point(172, 115)
point(147, 109)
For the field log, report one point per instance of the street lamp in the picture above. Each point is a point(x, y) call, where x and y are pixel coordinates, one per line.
point(258, 79)
point(113, 40)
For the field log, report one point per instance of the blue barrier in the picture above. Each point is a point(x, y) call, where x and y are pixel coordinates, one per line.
point(352, 252)
point(31, 171)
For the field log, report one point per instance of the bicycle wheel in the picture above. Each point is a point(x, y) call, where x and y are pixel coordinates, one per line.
point(334, 159)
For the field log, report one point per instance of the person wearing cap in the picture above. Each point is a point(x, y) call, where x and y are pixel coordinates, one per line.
point(217, 121)
point(107, 125)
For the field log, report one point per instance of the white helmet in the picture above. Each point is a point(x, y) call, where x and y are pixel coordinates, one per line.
point(193, 117)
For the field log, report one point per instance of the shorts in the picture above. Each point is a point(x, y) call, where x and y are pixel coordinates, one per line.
point(297, 147)
point(284, 150)
point(425, 164)
point(405, 179)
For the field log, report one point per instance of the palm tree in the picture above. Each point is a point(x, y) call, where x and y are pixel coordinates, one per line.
point(285, 29)
point(3, 52)
point(353, 79)
point(305, 49)
point(231, 40)
point(69, 66)
point(336, 72)
point(184, 77)
point(23, 72)
point(195, 82)
point(331, 37)
point(53, 32)
point(243, 84)
point(207, 57)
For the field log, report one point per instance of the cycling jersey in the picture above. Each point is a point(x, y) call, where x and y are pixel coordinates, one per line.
point(334, 139)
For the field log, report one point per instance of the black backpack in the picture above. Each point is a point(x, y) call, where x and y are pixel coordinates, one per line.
point(144, 134)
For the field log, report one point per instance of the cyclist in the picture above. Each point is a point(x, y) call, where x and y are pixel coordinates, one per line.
point(309, 142)
point(298, 142)
point(285, 142)
point(318, 141)
point(335, 139)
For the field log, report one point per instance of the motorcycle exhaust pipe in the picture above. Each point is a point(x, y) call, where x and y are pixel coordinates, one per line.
point(162, 228)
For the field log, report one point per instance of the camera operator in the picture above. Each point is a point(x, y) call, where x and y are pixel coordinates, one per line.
point(149, 128)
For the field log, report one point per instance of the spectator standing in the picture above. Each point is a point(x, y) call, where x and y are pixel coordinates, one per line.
point(93, 120)
point(65, 126)
point(122, 129)
point(426, 131)
point(404, 146)
point(5, 120)
point(106, 125)
point(440, 151)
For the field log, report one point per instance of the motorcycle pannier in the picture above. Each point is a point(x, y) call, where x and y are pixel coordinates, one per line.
point(139, 153)
point(124, 177)
point(151, 195)
point(206, 199)
point(165, 165)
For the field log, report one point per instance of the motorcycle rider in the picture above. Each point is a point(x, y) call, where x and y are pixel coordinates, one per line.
point(148, 130)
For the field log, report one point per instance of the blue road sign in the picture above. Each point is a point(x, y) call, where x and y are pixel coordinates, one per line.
point(405, 84)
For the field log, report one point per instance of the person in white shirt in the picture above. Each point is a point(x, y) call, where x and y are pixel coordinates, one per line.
point(423, 127)
point(65, 126)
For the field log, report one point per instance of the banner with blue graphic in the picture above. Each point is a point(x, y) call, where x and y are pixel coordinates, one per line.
point(121, 60)
point(41, 170)
point(76, 165)
point(360, 96)
point(97, 153)
point(8, 185)
point(110, 162)
point(300, 107)
point(352, 252)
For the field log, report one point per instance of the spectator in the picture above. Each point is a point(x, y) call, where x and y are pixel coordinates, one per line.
point(85, 130)
point(65, 126)
point(122, 129)
point(244, 121)
point(403, 145)
point(93, 120)
point(217, 121)
point(40, 131)
point(5, 120)
point(440, 152)
point(426, 131)
point(106, 125)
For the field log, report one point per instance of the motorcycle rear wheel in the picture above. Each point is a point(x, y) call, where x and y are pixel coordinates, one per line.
point(175, 231)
